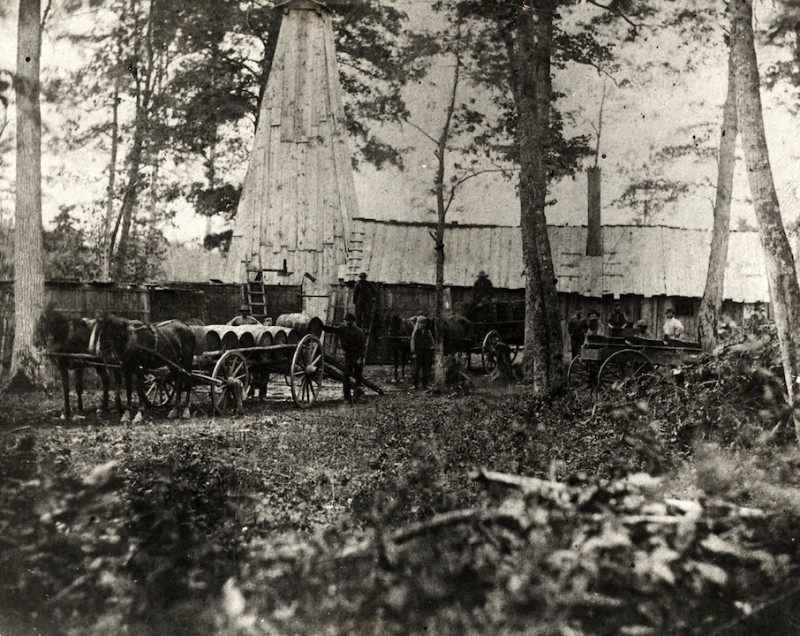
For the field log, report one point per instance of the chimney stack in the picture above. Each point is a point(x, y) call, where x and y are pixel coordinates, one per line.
point(594, 236)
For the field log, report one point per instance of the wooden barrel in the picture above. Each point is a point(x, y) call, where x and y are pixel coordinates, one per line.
point(265, 339)
point(230, 339)
point(278, 335)
point(301, 324)
point(240, 337)
point(292, 336)
point(213, 339)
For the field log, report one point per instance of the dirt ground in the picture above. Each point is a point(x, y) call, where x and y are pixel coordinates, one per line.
point(239, 525)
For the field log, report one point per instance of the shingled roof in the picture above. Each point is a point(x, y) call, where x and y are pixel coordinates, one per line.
point(641, 260)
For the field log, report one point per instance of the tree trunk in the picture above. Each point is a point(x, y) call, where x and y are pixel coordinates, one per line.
point(708, 317)
point(144, 94)
point(439, 319)
point(28, 267)
point(544, 365)
point(108, 241)
point(781, 274)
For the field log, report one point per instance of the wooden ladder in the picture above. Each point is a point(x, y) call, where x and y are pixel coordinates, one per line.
point(256, 293)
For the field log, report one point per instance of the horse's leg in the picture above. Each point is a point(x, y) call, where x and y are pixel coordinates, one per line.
point(186, 384)
point(79, 390)
point(140, 394)
point(175, 411)
point(103, 373)
point(117, 389)
point(63, 370)
point(126, 415)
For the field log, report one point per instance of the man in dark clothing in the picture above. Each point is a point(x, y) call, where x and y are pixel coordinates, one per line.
point(352, 341)
point(244, 318)
point(363, 299)
point(482, 289)
point(422, 346)
point(617, 320)
point(593, 323)
point(577, 327)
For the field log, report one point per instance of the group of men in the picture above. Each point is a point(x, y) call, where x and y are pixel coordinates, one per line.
point(616, 324)
point(353, 341)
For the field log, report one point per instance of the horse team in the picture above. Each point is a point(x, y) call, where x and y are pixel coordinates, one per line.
point(128, 347)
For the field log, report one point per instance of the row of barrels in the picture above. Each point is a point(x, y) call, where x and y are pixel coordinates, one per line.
point(288, 329)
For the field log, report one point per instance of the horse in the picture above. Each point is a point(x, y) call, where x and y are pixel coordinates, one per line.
point(142, 346)
point(64, 340)
point(399, 337)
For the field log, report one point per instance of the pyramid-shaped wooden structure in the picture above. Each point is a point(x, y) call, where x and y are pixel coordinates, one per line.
point(298, 195)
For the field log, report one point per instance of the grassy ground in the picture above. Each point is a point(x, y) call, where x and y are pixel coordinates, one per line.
point(176, 527)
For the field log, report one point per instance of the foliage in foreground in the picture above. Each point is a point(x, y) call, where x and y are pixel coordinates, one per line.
point(361, 521)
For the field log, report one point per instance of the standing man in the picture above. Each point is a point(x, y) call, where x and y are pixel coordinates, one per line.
point(482, 289)
point(244, 318)
point(363, 299)
point(422, 346)
point(352, 340)
point(577, 327)
point(617, 320)
point(673, 328)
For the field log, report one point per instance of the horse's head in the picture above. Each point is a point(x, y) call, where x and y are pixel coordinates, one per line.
point(110, 335)
point(52, 328)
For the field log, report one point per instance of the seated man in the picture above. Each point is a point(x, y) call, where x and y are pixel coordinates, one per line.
point(617, 320)
point(673, 328)
point(244, 318)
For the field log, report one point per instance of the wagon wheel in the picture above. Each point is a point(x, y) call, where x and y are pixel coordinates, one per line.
point(308, 363)
point(620, 368)
point(581, 375)
point(159, 388)
point(229, 373)
point(489, 350)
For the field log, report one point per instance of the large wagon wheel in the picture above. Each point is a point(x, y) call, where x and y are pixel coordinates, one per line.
point(159, 388)
point(489, 350)
point(621, 367)
point(230, 381)
point(308, 364)
point(581, 375)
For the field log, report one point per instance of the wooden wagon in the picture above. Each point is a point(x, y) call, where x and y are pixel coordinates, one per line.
point(610, 362)
point(464, 338)
point(235, 362)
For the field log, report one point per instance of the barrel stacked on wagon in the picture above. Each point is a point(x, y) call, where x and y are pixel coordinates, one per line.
point(237, 357)
point(231, 359)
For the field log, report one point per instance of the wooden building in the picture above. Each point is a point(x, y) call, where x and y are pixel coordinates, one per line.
point(646, 268)
point(293, 222)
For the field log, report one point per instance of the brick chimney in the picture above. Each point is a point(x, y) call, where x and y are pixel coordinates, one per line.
point(594, 236)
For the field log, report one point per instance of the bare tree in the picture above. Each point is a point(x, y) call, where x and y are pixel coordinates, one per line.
point(708, 317)
point(781, 273)
point(28, 265)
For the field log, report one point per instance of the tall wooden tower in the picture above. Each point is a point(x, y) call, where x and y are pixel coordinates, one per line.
point(293, 222)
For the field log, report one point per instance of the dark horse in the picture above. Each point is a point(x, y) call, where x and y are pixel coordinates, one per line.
point(139, 347)
point(66, 341)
